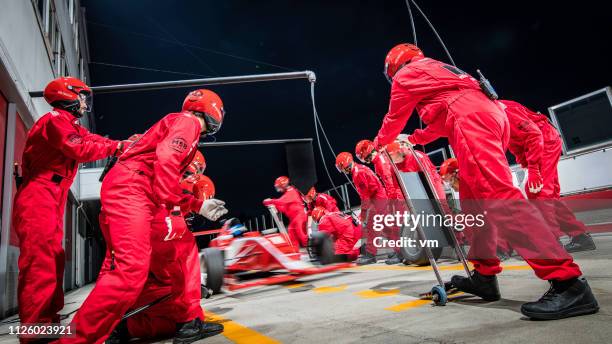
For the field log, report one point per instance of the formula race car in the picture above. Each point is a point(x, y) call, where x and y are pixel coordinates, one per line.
point(238, 258)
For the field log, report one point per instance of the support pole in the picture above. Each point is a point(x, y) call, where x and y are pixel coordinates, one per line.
point(251, 143)
point(241, 79)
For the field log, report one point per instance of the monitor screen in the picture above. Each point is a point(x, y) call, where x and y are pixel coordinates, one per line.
point(585, 122)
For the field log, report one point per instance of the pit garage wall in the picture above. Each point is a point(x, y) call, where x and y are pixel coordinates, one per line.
point(580, 173)
point(25, 65)
point(585, 172)
point(12, 141)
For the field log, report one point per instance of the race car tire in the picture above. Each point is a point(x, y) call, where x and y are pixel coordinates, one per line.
point(323, 248)
point(213, 265)
point(416, 255)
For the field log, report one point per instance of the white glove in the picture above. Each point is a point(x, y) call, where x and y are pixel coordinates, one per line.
point(213, 209)
point(402, 137)
point(403, 140)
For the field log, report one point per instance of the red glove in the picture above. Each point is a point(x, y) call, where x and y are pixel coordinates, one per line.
point(534, 180)
point(175, 222)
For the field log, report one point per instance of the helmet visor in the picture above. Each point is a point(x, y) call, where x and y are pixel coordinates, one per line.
point(213, 125)
point(87, 98)
point(389, 79)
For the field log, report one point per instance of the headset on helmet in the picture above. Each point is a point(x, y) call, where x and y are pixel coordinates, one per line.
point(344, 162)
point(399, 56)
point(209, 106)
point(66, 92)
point(364, 149)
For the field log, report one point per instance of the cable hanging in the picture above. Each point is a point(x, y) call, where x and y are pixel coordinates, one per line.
point(416, 42)
point(316, 124)
point(414, 36)
point(432, 29)
point(149, 69)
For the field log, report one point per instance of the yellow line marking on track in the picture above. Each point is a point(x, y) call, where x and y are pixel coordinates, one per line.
point(297, 285)
point(418, 303)
point(372, 294)
point(331, 289)
point(408, 305)
point(516, 267)
point(405, 268)
point(238, 333)
point(455, 267)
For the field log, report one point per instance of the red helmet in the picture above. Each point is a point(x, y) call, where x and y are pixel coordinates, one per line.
point(393, 148)
point(204, 188)
point(281, 183)
point(364, 149)
point(344, 162)
point(311, 194)
point(197, 164)
point(449, 166)
point(64, 93)
point(317, 213)
point(209, 105)
point(188, 182)
point(399, 56)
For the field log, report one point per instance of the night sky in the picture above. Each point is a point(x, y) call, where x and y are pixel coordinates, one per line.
point(539, 53)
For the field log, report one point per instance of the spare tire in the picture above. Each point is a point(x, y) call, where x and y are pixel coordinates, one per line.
point(416, 255)
point(322, 246)
point(212, 267)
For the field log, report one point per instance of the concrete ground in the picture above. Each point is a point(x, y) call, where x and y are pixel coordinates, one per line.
point(380, 304)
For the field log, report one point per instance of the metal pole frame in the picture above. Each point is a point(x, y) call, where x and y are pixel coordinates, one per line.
point(7, 203)
point(251, 143)
point(226, 80)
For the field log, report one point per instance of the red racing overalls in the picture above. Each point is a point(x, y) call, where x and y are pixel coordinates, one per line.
point(534, 141)
point(143, 183)
point(343, 231)
point(452, 105)
point(373, 200)
point(291, 204)
point(55, 146)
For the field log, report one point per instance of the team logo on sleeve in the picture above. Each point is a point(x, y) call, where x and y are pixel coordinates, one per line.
point(179, 144)
point(75, 138)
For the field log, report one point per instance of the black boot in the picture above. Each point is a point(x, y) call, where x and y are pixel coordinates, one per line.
point(393, 259)
point(120, 334)
point(366, 259)
point(582, 242)
point(195, 329)
point(483, 286)
point(564, 299)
